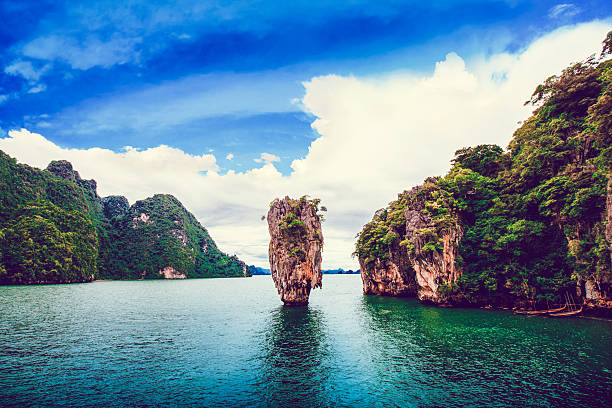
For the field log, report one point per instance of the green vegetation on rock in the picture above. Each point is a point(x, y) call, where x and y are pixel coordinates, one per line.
point(159, 232)
point(533, 218)
point(54, 228)
point(47, 231)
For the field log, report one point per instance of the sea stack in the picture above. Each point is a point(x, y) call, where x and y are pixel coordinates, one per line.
point(295, 247)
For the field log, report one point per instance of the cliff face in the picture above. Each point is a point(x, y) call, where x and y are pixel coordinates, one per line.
point(406, 250)
point(596, 287)
point(295, 247)
point(385, 267)
point(609, 215)
point(391, 277)
point(432, 245)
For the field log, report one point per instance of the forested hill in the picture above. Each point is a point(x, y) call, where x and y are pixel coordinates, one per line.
point(526, 225)
point(54, 228)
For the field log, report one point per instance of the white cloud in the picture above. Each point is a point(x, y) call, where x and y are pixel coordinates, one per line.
point(38, 88)
point(378, 136)
point(563, 10)
point(163, 106)
point(267, 158)
point(229, 156)
point(26, 70)
point(3, 98)
point(86, 53)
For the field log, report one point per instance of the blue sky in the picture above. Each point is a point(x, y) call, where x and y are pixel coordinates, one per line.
point(224, 76)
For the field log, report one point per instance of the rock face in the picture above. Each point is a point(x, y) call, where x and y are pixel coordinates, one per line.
point(170, 273)
point(295, 247)
point(598, 293)
point(432, 249)
point(407, 251)
point(388, 278)
point(63, 169)
point(609, 215)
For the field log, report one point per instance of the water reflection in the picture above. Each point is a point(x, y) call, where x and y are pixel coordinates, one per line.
point(480, 357)
point(293, 374)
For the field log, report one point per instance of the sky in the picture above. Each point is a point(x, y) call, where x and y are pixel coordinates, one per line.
point(229, 104)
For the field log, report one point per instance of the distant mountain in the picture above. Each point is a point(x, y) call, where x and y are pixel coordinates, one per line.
point(255, 270)
point(54, 228)
point(158, 236)
point(340, 271)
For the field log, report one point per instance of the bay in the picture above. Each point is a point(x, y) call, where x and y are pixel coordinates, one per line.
point(230, 342)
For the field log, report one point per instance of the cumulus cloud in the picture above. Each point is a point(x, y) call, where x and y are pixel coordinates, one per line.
point(267, 158)
point(376, 137)
point(229, 156)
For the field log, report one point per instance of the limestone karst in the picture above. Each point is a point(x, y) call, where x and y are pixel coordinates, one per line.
point(296, 241)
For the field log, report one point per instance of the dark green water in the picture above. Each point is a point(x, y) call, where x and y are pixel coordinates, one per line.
point(229, 342)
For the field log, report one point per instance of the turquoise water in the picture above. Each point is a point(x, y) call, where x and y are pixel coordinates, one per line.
point(229, 342)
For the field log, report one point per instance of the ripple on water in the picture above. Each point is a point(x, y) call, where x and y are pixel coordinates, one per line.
point(229, 342)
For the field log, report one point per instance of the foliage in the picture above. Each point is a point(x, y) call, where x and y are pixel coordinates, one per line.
point(55, 230)
point(293, 229)
point(47, 231)
point(551, 191)
point(45, 243)
point(533, 217)
point(159, 232)
point(381, 236)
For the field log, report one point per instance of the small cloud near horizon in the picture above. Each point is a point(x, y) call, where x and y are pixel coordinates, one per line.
point(267, 158)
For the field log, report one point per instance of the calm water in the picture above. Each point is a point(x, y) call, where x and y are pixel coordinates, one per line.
point(229, 342)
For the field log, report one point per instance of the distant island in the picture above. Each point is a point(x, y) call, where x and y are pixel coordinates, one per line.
point(54, 228)
point(256, 270)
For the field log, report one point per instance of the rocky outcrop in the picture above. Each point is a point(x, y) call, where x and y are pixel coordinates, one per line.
point(609, 215)
point(389, 277)
point(115, 206)
point(63, 169)
point(170, 273)
point(598, 292)
point(432, 246)
point(409, 250)
point(296, 241)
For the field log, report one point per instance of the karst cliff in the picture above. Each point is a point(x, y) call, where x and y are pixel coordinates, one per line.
point(411, 252)
point(296, 241)
point(527, 226)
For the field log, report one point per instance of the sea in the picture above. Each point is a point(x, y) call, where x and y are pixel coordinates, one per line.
point(231, 343)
